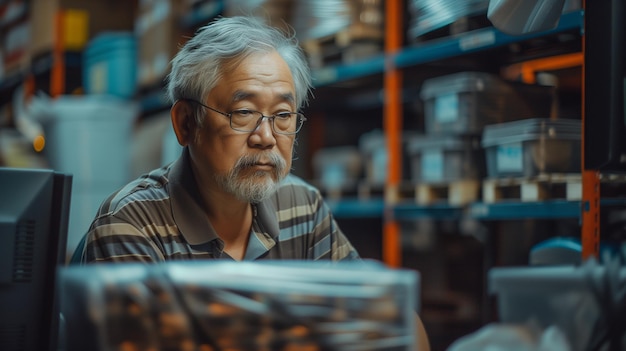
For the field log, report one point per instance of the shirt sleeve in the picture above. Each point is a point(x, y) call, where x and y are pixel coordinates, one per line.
point(112, 238)
point(332, 242)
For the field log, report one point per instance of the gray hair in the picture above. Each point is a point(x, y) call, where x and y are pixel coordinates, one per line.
point(197, 67)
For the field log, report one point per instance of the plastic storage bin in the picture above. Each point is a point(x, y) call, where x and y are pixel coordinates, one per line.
point(463, 103)
point(373, 149)
point(554, 295)
point(110, 65)
point(443, 159)
point(531, 147)
point(337, 168)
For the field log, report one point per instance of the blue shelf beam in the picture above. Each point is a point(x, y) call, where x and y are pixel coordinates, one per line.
point(477, 40)
point(555, 209)
point(410, 211)
point(507, 210)
point(340, 73)
point(438, 49)
point(357, 208)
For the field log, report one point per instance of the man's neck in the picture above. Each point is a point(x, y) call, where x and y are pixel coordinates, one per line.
point(232, 220)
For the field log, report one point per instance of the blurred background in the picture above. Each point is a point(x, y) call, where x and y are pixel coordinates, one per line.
point(441, 143)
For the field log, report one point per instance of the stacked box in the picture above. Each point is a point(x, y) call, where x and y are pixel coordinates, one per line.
point(14, 50)
point(430, 15)
point(339, 31)
point(159, 36)
point(276, 13)
point(531, 147)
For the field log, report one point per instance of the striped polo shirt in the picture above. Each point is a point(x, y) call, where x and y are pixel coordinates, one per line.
point(160, 217)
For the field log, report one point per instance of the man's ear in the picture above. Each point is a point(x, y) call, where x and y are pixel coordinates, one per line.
point(183, 121)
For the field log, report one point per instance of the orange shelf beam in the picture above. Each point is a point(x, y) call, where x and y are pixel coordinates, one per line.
point(392, 251)
point(57, 74)
point(527, 71)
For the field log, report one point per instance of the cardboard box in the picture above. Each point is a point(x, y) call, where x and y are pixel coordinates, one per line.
point(15, 55)
point(159, 36)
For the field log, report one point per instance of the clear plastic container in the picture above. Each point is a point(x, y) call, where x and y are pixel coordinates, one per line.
point(240, 305)
point(531, 147)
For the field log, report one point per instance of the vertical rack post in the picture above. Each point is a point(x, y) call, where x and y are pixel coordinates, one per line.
point(57, 74)
point(392, 252)
point(590, 211)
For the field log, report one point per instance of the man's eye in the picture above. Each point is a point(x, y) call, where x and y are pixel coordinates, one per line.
point(284, 115)
point(243, 113)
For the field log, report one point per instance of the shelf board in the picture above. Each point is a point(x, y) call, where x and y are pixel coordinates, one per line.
point(552, 209)
point(410, 210)
point(344, 72)
point(506, 210)
point(355, 208)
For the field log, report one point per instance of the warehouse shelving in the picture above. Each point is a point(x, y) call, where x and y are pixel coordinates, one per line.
point(391, 65)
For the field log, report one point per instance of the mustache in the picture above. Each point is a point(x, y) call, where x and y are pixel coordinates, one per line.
point(270, 158)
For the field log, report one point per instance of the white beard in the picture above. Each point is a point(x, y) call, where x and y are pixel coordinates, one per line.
point(253, 187)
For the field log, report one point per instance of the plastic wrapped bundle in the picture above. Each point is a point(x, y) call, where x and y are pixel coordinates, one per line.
point(317, 19)
point(220, 305)
point(429, 15)
point(339, 31)
point(276, 13)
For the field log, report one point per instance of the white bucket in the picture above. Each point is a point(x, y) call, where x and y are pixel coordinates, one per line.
point(90, 138)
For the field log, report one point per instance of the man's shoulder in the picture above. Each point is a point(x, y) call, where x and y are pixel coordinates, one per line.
point(295, 184)
point(150, 187)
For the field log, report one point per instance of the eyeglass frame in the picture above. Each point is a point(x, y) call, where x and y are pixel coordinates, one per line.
point(259, 121)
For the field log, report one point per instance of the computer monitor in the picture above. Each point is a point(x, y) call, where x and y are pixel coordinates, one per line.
point(34, 213)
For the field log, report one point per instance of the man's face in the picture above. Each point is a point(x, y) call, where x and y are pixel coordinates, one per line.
point(247, 165)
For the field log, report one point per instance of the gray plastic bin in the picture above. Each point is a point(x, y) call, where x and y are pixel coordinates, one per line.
point(531, 147)
point(463, 103)
point(442, 159)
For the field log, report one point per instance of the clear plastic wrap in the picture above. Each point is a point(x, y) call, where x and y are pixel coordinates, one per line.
point(225, 305)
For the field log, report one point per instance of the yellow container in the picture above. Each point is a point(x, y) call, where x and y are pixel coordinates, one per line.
point(75, 29)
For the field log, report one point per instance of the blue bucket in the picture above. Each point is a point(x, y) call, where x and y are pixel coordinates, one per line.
point(110, 65)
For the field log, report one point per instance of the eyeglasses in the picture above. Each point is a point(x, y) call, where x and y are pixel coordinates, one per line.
point(247, 121)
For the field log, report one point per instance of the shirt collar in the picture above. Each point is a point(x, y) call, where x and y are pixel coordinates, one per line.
point(187, 207)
